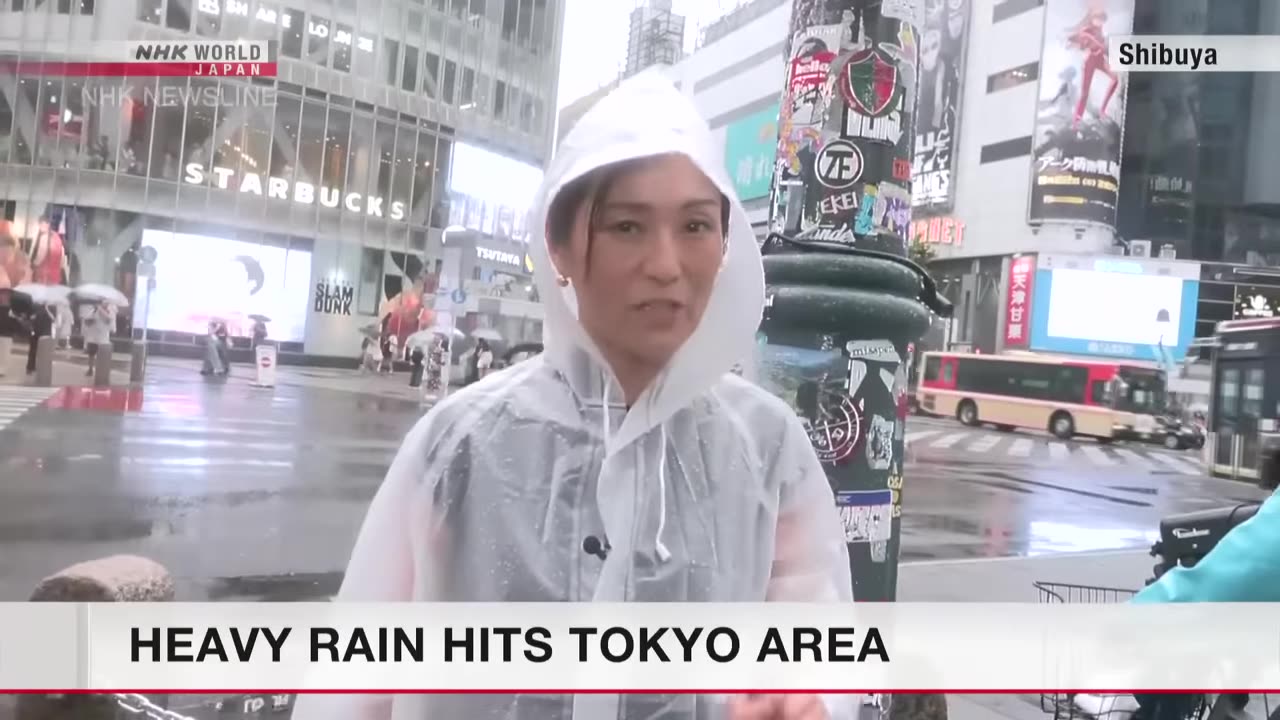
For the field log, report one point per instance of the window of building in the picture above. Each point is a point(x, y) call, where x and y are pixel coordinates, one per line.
point(510, 16)
point(135, 128)
point(422, 174)
point(390, 61)
point(311, 141)
point(431, 74)
point(236, 18)
point(318, 30)
point(366, 52)
point(292, 26)
point(370, 291)
point(1013, 77)
point(177, 16)
point(499, 99)
point(208, 18)
point(1011, 8)
point(148, 10)
point(343, 41)
point(254, 153)
point(166, 141)
point(86, 7)
point(477, 8)
point(385, 147)
point(197, 130)
point(440, 208)
point(6, 127)
point(284, 142)
point(448, 80)
point(402, 171)
point(409, 79)
point(265, 22)
point(468, 94)
point(337, 142)
point(1005, 150)
point(361, 155)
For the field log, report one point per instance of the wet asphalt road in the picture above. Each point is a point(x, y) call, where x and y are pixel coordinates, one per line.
point(249, 493)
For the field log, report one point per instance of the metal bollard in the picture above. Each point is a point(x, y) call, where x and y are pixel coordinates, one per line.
point(44, 361)
point(102, 366)
point(138, 362)
point(6, 353)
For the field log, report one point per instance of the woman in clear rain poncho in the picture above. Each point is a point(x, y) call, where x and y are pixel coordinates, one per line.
point(629, 427)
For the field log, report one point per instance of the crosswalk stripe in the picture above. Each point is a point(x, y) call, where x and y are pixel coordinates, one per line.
point(1058, 451)
point(948, 440)
point(1177, 464)
point(1097, 456)
point(1135, 458)
point(985, 444)
point(920, 435)
point(1021, 448)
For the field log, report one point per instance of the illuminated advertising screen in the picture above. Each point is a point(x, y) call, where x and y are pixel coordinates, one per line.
point(1075, 172)
point(490, 193)
point(1114, 307)
point(200, 278)
point(939, 89)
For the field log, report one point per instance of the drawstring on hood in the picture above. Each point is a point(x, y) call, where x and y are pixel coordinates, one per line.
point(645, 117)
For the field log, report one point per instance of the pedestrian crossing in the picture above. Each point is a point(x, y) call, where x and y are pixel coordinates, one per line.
point(16, 400)
point(994, 445)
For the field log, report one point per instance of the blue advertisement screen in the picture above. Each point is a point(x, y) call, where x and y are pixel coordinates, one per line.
point(1113, 314)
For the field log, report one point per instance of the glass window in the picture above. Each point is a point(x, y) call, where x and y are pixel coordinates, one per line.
point(337, 139)
point(431, 68)
point(477, 7)
point(390, 60)
point(409, 79)
point(1229, 393)
point(284, 142)
point(208, 18)
point(166, 141)
point(440, 208)
point(311, 141)
point(932, 368)
point(499, 99)
point(370, 295)
point(509, 17)
point(402, 174)
point(361, 152)
point(484, 86)
point(235, 19)
point(291, 25)
point(422, 173)
point(135, 127)
point(198, 133)
point(6, 126)
point(255, 144)
point(343, 42)
point(266, 22)
point(1252, 406)
point(148, 11)
point(384, 143)
point(468, 94)
point(948, 373)
point(178, 15)
point(448, 81)
point(318, 40)
point(1101, 392)
point(365, 55)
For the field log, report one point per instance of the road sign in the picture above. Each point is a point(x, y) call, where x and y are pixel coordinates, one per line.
point(459, 296)
point(838, 164)
point(147, 254)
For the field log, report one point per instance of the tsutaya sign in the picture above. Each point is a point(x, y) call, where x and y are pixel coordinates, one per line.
point(499, 256)
point(299, 192)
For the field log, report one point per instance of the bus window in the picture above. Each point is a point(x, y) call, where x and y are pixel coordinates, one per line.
point(1101, 392)
point(1070, 385)
point(949, 373)
point(1140, 392)
point(932, 368)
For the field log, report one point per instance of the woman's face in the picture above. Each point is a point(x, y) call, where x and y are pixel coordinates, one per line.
point(657, 246)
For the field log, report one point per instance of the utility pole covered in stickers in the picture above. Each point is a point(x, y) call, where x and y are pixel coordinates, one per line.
point(846, 124)
point(845, 307)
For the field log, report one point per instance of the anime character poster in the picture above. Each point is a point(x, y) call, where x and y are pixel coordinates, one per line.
point(943, 46)
point(1080, 114)
point(406, 286)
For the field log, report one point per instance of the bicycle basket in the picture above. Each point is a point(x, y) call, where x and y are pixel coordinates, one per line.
point(1106, 707)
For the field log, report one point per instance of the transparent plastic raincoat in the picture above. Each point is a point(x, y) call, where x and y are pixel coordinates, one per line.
point(706, 488)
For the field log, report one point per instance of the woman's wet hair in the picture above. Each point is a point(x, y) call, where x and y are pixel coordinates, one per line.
point(593, 188)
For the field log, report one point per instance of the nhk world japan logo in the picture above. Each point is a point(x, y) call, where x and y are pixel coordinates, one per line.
point(163, 58)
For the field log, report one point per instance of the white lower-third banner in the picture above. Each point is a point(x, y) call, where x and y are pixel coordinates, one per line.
point(713, 648)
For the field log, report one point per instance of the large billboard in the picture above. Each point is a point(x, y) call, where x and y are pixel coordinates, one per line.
point(491, 193)
point(1080, 114)
point(943, 41)
point(750, 145)
point(1114, 307)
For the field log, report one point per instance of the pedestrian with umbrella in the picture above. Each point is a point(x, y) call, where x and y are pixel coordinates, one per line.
point(259, 330)
point(98, 317)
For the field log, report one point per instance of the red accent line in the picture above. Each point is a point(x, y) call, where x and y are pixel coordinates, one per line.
point(141, 69)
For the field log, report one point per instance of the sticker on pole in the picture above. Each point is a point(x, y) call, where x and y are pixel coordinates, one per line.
point(838, 164)
point(866, 515)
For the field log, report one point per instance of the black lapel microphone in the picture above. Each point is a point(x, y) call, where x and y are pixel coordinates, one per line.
point(591, 545)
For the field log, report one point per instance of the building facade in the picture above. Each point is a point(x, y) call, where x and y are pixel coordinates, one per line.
point(317, 198)
point(655, 36)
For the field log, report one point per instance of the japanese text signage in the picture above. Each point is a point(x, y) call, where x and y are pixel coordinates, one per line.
point(938, 231)
point(1075, 172)
point(750, 146)
point(1018, 302)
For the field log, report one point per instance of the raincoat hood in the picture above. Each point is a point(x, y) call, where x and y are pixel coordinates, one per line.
point(647, 116)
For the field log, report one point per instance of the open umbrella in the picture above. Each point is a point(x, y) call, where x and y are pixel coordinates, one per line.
point(487, 334)
point(98, 292)
point(371, 331)
point(420, 338)
point(260, 318)
point(42, 294)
